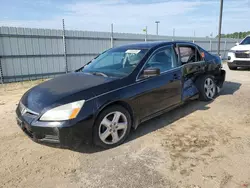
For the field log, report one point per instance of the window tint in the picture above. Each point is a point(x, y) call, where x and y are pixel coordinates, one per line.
point(164, 59)
point(116, 62)
point(111, 59)
point(245, 41)
point(189, 54)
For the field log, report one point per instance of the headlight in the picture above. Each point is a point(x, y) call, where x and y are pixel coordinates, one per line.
point(64, 112)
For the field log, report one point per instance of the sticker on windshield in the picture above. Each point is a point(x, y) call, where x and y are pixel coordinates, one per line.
point(132, 51)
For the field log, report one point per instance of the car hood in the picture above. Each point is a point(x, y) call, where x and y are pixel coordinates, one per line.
point(50, 92)
point(241, 47)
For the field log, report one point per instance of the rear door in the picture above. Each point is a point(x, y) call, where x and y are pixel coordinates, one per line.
point(193, 64)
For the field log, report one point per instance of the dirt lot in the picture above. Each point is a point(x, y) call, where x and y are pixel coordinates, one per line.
point(199, 145)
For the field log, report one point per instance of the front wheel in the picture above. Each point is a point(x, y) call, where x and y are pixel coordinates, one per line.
point(207, 87)
point(112, 127)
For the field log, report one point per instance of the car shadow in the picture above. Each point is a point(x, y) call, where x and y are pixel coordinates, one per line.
point(165, 119)
point(230, 88)
point(150, 125)
point(87, 148)
point(77, 147)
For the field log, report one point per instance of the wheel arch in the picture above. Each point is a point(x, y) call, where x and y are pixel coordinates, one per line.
point(199, 83)
point(219, 76)
point(124, 104)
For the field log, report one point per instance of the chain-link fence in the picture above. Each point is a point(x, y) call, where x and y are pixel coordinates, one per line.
point(28, 54)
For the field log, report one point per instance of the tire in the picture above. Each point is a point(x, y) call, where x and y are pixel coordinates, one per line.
point(232, 68)
point(207, 91)
point(107, 125)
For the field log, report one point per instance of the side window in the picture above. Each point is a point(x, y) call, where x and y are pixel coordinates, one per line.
point(189, 54)
point(164, 59)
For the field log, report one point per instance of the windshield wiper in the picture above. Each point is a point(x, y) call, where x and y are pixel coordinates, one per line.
point(99, 74)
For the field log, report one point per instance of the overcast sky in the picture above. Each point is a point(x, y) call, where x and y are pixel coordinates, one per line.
point(128, 16)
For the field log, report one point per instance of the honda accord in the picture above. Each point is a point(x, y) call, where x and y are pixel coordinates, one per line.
point(116, 91)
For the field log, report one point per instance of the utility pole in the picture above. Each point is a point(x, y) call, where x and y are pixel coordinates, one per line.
point(220, 23)
point(157, 22)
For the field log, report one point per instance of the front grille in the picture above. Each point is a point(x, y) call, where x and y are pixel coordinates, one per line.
point(242, 54)
point(242, 63)
point(25, 111)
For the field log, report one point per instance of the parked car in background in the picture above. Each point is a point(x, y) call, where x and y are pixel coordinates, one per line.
point(239, 55)
point(115, 92)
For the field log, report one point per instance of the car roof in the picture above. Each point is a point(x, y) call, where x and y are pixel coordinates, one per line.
point(148, 45)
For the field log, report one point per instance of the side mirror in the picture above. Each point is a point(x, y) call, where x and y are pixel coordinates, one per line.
point(149, 72)
point(237, 43)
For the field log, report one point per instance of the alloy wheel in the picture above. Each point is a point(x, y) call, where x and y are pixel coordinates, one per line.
point(113, 127)
point(210, 88)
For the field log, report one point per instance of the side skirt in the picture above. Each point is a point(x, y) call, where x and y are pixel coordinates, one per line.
point(164, 111)
point(160, 112)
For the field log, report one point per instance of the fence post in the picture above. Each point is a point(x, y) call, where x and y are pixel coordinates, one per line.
point(1, 69)
point(112, 36)
point(64, 48)
point(225, 47)
point(210, 45)
point(1, 72)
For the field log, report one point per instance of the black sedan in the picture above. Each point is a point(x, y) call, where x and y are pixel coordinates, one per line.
point(122, 87)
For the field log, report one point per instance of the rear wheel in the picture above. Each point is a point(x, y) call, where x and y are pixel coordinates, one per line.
point(207, 87)
point(232, 68)
point(112, 127)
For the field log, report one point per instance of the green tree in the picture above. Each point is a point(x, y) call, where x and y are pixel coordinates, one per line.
point(235, 35)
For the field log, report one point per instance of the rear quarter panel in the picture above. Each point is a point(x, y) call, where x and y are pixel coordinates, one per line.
point(191, 72)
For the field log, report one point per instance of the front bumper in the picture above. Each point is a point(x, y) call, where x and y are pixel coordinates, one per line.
point(233, 61)
point(239, 63)
point(65, 134)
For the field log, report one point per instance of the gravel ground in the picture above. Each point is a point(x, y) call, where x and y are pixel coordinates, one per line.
point(198, 145)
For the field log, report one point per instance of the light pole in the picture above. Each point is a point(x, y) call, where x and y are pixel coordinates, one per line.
point(146, 33)
point(157, 22)
point(112, 36)
point(220, 22)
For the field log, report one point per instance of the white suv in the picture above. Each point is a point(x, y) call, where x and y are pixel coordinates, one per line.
point(239, 55)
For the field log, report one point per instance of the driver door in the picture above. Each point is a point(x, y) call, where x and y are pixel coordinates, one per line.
point(162, 91)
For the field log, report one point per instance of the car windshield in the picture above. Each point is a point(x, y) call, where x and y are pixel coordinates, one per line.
point(245, 41)
point(117, 62)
